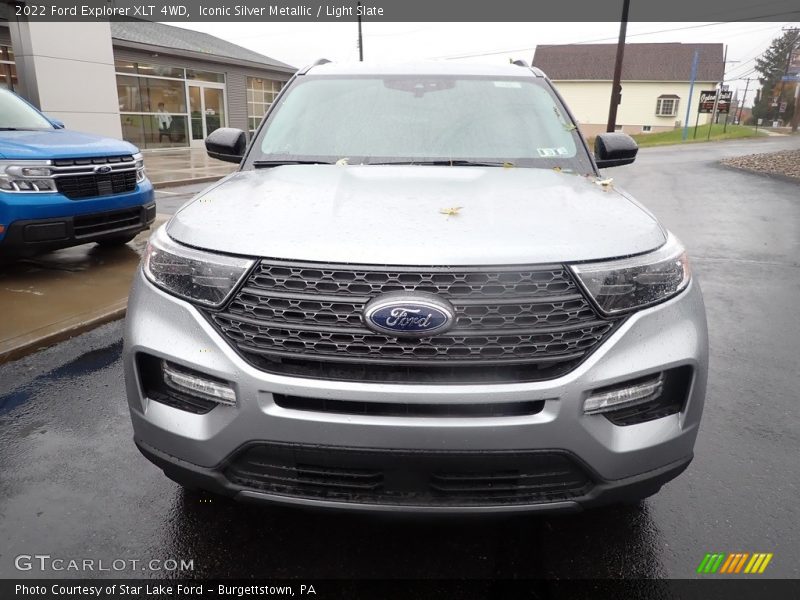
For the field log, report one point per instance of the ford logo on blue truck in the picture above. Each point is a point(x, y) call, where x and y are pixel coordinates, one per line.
point(61, 188)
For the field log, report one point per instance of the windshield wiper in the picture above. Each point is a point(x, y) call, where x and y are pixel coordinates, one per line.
point(446, 163)
point(278, 163)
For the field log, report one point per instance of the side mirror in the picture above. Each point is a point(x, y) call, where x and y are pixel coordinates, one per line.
point(227, 143)
point(614, 149)
point(57, 124)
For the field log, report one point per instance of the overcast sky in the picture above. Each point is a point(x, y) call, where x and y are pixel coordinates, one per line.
point(301, 43)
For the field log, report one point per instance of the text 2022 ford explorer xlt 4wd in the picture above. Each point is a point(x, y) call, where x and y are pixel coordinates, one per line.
point(417, 294)
point(61, 188)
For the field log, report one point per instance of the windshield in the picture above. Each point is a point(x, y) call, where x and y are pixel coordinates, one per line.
point(415, 119)
point(17, 114)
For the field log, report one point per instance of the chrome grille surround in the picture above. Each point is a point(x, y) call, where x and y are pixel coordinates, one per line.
point(526, 316)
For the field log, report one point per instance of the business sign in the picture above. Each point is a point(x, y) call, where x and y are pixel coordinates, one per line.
point(707, 98)
point(794, 64)
point(724, 103)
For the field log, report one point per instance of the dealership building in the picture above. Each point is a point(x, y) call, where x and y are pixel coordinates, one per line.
point(155, 85)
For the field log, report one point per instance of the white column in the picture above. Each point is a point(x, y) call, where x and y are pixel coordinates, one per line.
point(67, 70)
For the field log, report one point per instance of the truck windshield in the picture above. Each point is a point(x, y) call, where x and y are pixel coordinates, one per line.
point(408, 119)
point(17, 114)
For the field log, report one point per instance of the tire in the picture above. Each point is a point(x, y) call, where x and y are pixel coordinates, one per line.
point(117, 240)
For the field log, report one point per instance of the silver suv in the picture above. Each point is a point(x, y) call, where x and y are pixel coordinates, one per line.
point(417, 293)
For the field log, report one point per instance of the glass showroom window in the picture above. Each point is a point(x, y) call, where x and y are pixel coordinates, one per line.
point(260, 95)
point(8, 70)
point(152, 104)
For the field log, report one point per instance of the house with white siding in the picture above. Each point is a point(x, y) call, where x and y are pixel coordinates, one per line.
point(655, 82)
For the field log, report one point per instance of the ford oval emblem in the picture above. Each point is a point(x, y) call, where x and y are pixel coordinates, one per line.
point(102, 169)
point(408, 314)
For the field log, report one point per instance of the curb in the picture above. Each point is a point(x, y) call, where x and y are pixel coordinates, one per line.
point(75, 325)
point(179, 182)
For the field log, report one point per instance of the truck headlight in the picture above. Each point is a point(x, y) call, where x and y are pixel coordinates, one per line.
point(22, 176)
point(627, 284)
point(202, 277)
point(141, 173)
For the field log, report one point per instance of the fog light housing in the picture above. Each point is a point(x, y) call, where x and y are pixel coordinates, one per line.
point(628, 394)
point(193, 383)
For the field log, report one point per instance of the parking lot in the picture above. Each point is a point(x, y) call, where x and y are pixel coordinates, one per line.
point(72, 484)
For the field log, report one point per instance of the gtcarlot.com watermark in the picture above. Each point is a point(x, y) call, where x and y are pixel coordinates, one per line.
point(48, 563)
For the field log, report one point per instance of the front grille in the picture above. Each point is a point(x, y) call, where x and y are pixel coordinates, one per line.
point(96, 223)
point(76, 180)
point(89, 186)
point(379, 476)
point(512, 323)
point(410, 409)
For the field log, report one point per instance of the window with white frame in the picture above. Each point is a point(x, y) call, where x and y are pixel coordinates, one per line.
point(260, 95)
point(646, 128)
point(667, 105)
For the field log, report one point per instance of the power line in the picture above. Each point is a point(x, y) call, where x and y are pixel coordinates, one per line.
point(508, 50)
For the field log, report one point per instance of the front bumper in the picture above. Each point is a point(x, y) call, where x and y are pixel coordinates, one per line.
point(36, 223)
point(621, 461)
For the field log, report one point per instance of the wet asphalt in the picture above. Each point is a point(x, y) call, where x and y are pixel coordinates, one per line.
point(72, 484)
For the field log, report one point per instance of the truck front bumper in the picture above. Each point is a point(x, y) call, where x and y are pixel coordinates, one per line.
point(233, 450)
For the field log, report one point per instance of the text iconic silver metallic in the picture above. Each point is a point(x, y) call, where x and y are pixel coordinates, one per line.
point(413, 295)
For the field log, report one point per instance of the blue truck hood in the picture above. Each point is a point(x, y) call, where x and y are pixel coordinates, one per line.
point(59, 143)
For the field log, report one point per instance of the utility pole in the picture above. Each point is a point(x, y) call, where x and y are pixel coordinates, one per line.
point(716, 98)
point(360, 39)
point(689, 103)
point(744, 99)
point(616, 87)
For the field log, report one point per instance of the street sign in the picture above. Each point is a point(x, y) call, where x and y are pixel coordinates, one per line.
point(724, 103)
point(794, 64)
point(707, 98)
point(782, 109)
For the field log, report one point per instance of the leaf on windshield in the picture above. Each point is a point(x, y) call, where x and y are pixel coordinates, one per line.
point(508, 165)
point(451, 212)
point(343, 162)
point(606, 184)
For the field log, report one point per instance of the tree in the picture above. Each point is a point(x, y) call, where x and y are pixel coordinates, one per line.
point(772, 67)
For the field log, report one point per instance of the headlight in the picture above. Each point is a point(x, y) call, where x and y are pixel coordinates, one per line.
point(622, 285)
point(20, 176)
point(141, 173)
point(201, 277)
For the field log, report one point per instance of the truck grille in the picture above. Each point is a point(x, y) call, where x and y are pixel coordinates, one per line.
point(512, 323)
point(378, 476)
point(76, 180)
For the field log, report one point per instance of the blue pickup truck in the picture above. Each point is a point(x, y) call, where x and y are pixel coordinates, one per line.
point(61, 188)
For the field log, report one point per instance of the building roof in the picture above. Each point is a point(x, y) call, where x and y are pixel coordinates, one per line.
point(168, 37)
point(642, 62)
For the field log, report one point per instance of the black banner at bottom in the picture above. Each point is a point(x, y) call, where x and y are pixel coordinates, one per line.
point(623, 589)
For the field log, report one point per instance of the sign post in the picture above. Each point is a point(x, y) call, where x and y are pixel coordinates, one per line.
point(707, 100)
point(724, 106)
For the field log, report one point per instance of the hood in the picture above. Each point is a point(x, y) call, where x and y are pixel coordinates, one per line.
point(59, 143)
point(393, 215)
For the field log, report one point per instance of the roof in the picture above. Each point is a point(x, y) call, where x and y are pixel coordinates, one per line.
point(421, 68)
point(193, 42)
point(641, 62)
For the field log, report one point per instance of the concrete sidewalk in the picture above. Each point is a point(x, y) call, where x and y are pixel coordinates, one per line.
point(50, 298)
point(168, 168)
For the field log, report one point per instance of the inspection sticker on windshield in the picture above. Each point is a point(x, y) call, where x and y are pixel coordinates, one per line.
point(507, 84)
point(547, 152)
